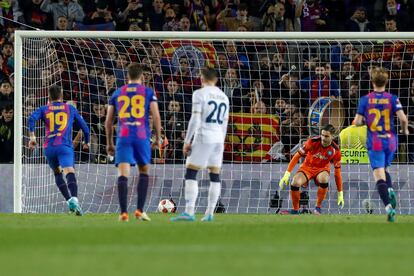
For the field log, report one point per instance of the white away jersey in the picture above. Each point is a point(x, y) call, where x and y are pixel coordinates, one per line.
point(213, 105)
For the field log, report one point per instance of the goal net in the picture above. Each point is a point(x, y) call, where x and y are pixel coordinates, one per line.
point(282, 88)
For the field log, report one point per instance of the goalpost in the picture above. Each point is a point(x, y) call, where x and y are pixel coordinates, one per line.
point(282, 86)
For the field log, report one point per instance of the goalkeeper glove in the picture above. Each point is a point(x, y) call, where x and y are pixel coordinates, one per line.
point(341, 199)
point(285, 180)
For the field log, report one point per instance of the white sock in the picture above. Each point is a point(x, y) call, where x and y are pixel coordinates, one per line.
point(213, 196)
point(388, 208)
point(190, 195)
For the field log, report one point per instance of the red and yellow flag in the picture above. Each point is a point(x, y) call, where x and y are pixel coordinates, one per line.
point(250, 136)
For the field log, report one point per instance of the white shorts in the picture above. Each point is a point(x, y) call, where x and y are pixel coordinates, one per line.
point(206, 155)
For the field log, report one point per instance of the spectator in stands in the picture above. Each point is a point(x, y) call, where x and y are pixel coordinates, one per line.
point(390, 24)
point(199, 14)
point(171, 22)
point(293, 12)
point(6, 133)
point(156, 17)
point(7, 59)
point(121, 68)
point(62, 23)
point(336, 19)
point(313, 16)
point(350, 101)
point(359, 22)
point(110, 82)
point(98, 136)
point(185, 78)
point(34, 16)
point(279, 107)
point(101, 15)
point(259, 108)
point(273, 20)
point(10, 9)
point(133, 13)
point(231, 23)
point(6, 92)
point(174, 116)
point(184, 24)
point(319, 85)
point(67, 8)
point(231, 86)
point(398, 13)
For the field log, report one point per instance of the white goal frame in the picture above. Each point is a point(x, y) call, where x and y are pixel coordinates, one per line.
point(285, 36)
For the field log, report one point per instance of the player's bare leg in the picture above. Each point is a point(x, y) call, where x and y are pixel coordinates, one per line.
point(123, 174)
point(298, 181)
point(213, 193)
point(323, 180)
point(190, 194)
point(142, 189)
point(387, 195)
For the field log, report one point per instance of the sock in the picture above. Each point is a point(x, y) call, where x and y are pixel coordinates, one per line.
point(60, 183)
point(123, 193)
point(73, 187)
point(142, 189)
point(388, 179)
point(295, 194)
point(190, 194)
point(383, 191)
point(213, 195)
point(321, 194)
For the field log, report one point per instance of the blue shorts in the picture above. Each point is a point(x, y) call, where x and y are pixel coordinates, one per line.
point(62, 156)
point(133, 152)
point(380, 159)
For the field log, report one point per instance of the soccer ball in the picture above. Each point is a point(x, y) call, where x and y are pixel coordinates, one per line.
point(369, 206)
point(166, 206)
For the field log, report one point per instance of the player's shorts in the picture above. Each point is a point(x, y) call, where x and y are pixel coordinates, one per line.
point(133, 151)
point(312, 173)
point(382, 158)
point(62, 156)
point(206, 155)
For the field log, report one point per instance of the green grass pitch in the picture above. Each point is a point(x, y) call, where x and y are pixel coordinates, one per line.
point(232, 245)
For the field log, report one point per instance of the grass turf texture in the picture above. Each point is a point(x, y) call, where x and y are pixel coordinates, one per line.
point(231, 245)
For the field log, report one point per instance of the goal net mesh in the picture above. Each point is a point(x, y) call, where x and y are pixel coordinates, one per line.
point(281, 92)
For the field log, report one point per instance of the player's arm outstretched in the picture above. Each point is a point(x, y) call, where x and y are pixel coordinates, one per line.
point(84, 127)
point(36, 115)
point(285, 179)
point(194, 124)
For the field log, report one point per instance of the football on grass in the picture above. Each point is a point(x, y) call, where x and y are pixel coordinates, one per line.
point(166, 206)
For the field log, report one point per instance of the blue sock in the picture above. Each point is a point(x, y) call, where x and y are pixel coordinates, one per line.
point(123, 193)
point(142, 190)
point(73, 187)
point(389, 180)
point(60, 183)
point(383, 191)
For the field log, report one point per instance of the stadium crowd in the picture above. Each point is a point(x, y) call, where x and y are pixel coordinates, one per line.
point(255, 75)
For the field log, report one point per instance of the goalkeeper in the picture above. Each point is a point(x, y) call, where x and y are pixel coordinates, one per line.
point(319, 152)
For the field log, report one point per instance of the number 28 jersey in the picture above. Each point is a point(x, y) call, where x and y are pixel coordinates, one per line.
point(213, 105)
point(132, 105)
point(378, 109)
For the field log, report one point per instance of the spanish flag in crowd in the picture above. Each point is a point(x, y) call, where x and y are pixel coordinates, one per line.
point(203, 51)
point(250, 137)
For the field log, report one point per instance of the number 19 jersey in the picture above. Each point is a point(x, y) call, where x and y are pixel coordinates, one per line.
point(213, 105)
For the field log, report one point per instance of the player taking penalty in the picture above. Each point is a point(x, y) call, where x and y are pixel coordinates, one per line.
point(377, 110)
point(133, 103)
point(59, 118)
point(319, 152)
point(204, 143)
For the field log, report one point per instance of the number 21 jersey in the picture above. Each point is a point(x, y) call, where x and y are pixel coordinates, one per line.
point(379, 109)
